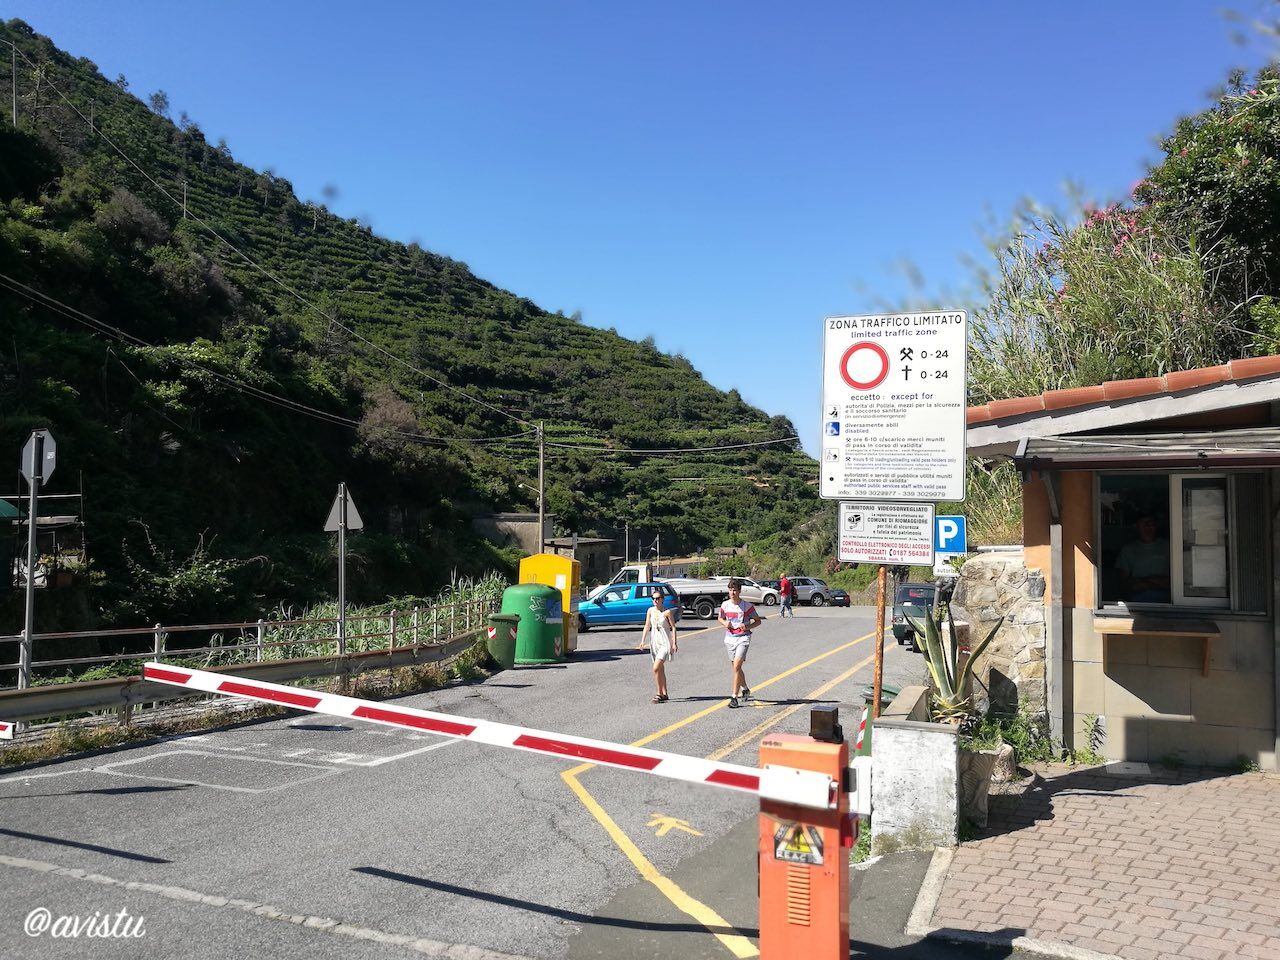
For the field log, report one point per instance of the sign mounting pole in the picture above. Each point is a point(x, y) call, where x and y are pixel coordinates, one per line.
point(879, 677)
point(29, 621)
point(342, 569)
point(343, 516)
point(38, 459)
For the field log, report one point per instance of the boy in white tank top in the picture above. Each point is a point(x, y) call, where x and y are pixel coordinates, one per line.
point(739, 618)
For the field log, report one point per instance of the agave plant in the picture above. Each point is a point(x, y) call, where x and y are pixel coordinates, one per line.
point(949, 679)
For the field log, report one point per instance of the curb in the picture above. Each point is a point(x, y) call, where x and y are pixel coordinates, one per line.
point(930, 890)
point(919, 923)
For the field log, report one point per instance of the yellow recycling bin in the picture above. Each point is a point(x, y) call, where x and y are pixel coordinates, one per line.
point(565, 574)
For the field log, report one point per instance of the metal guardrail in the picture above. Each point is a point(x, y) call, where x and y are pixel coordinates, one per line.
point(403, 628)
point(124, 693)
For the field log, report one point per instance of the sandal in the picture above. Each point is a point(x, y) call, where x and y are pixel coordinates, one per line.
point(659, 698)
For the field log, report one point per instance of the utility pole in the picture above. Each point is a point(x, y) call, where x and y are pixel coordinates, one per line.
point(542, 490)
point(626, 539)
point(14, 77)
point(184, 199)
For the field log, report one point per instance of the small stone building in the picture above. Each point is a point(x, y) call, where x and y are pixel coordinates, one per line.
point(1146, 589)
point(514, 529)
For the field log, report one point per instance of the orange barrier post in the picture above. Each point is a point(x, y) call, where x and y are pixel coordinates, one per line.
point(804, 850)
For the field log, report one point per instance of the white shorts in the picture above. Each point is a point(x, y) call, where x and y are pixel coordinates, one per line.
point(737, 647)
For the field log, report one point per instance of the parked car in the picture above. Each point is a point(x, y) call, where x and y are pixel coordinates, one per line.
point(771, 584)
point(625, 603)
point(811, 590)
point(911, 599)
point(755, 591)
point(839, 598)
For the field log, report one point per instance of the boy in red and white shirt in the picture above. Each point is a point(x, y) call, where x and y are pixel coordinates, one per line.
point(739, 618)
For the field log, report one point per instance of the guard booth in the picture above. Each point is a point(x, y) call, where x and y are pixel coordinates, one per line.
point(565, 575)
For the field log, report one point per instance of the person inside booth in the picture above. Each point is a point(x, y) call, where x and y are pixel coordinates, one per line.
point(1143, 564)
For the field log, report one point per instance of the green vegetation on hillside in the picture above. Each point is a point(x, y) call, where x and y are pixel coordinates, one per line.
point(211, 377)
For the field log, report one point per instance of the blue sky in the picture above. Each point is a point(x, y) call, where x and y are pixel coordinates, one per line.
point(720, 175)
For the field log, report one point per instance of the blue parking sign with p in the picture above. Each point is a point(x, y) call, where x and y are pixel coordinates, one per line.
point(949, 535)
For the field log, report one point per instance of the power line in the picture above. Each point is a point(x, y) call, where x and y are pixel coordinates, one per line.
point(101, 326)
point(670, 450)
point(267, 273)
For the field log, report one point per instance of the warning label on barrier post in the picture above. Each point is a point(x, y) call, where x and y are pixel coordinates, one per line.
point(893, 407)
point(796, 843)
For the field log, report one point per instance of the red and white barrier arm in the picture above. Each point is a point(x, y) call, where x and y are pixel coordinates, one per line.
point(797, 789)
point(6, 730)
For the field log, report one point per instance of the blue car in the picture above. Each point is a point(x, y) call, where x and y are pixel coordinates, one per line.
point(625, 603)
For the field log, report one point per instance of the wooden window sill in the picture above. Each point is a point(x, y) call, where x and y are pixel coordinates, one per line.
point(1144, 626)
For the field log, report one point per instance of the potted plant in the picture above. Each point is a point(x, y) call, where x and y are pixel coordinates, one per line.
point(950, 702)
point(951, 678)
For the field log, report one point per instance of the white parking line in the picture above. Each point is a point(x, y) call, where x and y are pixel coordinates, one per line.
point(430, 948)
point(24, 777)
point(411, 753)
point(108, 769)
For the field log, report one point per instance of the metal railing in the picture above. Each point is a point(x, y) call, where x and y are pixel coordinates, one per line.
point(90, 699)
point(269, 640)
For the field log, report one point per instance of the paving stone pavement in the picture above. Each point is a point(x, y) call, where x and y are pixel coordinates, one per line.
point(1166, 864)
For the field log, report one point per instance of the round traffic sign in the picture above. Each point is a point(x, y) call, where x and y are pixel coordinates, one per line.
point(872, 365)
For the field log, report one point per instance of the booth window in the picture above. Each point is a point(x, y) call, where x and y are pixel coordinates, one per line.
point(1195, 540)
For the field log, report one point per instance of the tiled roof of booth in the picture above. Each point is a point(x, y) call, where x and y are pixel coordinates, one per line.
point(1113, 390)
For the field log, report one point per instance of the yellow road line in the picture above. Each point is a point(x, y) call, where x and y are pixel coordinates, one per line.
point(722, 704)
point(689, 633)
point(643, 741)
point(759, 730)
point(738, 944)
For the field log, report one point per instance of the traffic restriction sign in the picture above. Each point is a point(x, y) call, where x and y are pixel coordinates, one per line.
point(893, 407)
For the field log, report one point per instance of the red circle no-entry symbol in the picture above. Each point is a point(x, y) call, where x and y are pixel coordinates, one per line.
point(882, 359)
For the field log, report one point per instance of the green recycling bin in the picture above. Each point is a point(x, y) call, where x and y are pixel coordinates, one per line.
point(502, 638)
point(860, 742)
point(540, 635)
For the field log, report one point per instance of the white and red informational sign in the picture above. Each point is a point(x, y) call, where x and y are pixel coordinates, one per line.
point(888, 533)
point(893, 407)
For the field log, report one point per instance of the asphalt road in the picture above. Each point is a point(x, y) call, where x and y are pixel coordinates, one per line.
point(303, 836)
